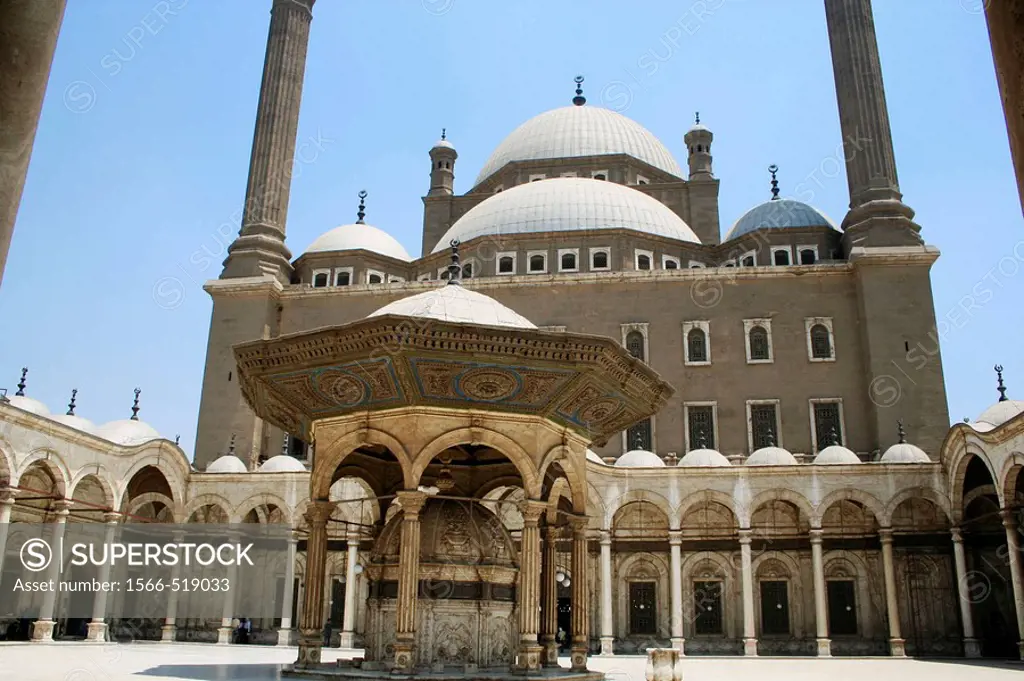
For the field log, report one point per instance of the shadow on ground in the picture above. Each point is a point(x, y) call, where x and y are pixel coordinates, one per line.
point(216, 672)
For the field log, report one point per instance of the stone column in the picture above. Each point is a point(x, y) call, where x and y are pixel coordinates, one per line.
point(311, 622)
point(96, 630)
point(580, 595)
point(348, 626)
point(1006, 33)
point(896, 642)
point(607, 623)
point(549, 597)
point(228, 614)
point(529, 586)
point(28, 38)
point(408, 579)
point(42, 629)
point(875, 199)
point(971, 647)
point(675, 541)
point(747, 581)
point(820, 608)
point(260, 247)
point(284, 634)
point(1013, 549)
point(6, 506)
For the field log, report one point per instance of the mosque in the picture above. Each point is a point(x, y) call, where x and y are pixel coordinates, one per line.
point(583, 420)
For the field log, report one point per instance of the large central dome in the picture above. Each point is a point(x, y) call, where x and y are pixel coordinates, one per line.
point(574, 131)
point(568, 204)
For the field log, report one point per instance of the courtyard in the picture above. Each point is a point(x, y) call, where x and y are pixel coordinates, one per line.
point(198, 662)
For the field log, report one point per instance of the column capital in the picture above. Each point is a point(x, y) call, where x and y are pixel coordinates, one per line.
point(319, 511)
point(112, 517)
point(532, 510)
point(746, 535)
point(1009, 518)
point(7, 496)
point(885, 535)
point(675, 537)
point(62, 507)
point(957, 534)
point(817, 535)
point(412, 501)
point(578, 523)
point(606, 538)
point(551, 532)
point(306, 5)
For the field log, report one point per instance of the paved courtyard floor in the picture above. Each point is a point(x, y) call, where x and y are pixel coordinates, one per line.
point(194, 662)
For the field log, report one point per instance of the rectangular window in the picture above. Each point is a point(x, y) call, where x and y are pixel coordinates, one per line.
point(774, 608)
point(842, 608)
point(700, 426)
point(321, 278)
point(763, 425)
point(827, 418)
point(599, 259)
point(343, 276)
point(537, 262)
point(707, 604)
point(642, 618)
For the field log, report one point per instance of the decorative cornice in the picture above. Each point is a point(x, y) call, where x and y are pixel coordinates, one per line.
point(244, 286)
point(893, 255)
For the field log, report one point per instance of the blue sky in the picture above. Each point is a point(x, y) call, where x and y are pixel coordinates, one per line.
point(142, 153)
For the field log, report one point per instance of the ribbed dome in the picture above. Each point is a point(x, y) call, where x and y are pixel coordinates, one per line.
point(904, 452)
point(229, 463)
point(282, 464)
point(567, 204)
point(457, 305)
point(356, 236)
point(574, 131)
point(999, 413)
point(779, 214)
point(639, 458)
point(836, 455)
point(127, 432)
point(30, 405)
point(703, 457)
point(771, 456)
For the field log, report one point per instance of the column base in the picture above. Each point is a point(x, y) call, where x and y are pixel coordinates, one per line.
point(897, 647)
point(824, 647)
point(224, 635)
point(405, 658)
point(42, 631)
point(528, 658)
point(750, 647)
point(972, 648)
point(680, 645)
point(310, 645)
point(168, 633)
point(284, 637)
point(607, 645)
point(1020, 647)
point(96, 632)
point(347, 639)
point(579, 657)
point(550, 655)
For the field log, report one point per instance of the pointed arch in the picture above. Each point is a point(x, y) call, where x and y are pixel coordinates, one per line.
point(173, 475)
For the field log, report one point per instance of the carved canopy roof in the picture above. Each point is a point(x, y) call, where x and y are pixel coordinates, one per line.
point(589, 384)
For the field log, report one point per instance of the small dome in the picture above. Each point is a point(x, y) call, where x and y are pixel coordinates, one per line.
point(779, 214)
point(836, 455)
point(575, 131)
point(456, 304)
point(30, 405)
point(771, 456)
point(229, 463)
point(567, 204)
point(76, 422)
point(999, 413)
point(359, 236)
point(442, 144)
point(904, 452)
point(703, 457)
point(127, 432)
point(592, 456)
point(282, 463)
point(697, 128)
point(639, 458)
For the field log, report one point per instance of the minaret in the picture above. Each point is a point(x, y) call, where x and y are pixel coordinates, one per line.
point(260, 247)
point(702, 186)
point(878, 216)
point(442, 167)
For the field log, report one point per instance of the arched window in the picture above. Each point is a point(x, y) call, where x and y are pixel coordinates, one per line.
point(374, 279)
point(671, 265)
point(821, 343)
point(320, 279)
point(568, 261)
point(748, 261)
point(344, 279)
point(808, 256)
point(600, 176)
point(697, 345)
point(467, 271)
point(643, 262)
point(600, 260)
point(635, 345)
point(537, 263)
point(781, 257)
point(759, 343)
point(506, 265)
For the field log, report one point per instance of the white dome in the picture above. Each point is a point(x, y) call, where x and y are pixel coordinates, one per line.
point(639, 458)
point(771, 456)
point(229, 463)
point(904, 452)
point(30, 405)
point(574, 131)
point(704, 457)
point(281, 463)
point(456, 304)
point(127, 432)
point(999, 413)
point(567, 204)
point(835, 455)
point(76, 422)
point(356, 236)
point(443, 144)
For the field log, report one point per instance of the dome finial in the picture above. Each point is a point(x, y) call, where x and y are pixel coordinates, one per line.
point(770, 438)
point(135, 405)
point(177, 440)
point(697, 117)
point(455, 269)
point(71, 404)
point(579, 99)
point(774, 169)
point(362, 207)
point(1001, 388)
point(22, 384)
point(231, 446)
point(284, 445)
point(902, 433)
point(444, 133)
point(833, 437)
point(638, 441)
point(702, 440)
